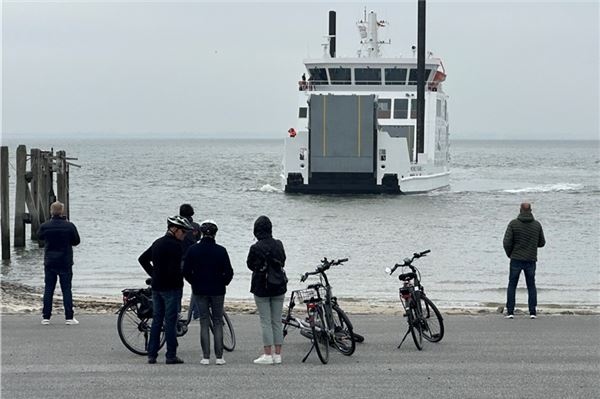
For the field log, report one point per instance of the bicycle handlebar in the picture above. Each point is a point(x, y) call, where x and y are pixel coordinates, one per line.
point(325, 265)
point(408, 261)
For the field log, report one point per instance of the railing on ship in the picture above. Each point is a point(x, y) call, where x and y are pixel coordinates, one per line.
point(313, 85)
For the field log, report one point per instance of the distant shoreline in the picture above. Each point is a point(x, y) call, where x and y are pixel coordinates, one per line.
point(23, 299)
point(95, 136)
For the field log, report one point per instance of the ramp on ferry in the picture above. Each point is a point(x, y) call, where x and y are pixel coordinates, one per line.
point(342, 143)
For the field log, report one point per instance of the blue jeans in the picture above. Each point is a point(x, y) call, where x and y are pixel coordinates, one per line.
point(50, 278)
point(513, 279)
point(165, 307)
point(210, 307)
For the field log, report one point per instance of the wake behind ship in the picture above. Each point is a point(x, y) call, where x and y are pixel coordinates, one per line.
point(357, 119)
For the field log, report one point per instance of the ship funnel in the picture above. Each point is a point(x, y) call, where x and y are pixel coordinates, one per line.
point(332, 34)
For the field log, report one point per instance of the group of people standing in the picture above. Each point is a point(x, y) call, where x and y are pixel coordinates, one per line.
point(189, 251)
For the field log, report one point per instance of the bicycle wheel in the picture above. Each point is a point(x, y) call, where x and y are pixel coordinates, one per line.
point(228, 334)
point(433, 324)
point(415, 325)
point(320, 337)
point(135, 331)
point(344, 340)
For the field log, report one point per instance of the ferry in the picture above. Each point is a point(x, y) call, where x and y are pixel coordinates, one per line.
point(357, 125)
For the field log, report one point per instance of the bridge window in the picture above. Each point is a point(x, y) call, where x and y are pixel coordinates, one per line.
point(318, 76)
point(412, 76)
point(302, 112)
point(367, 76)
point(395, 76)
point(384, 108)
point(400, 108)
point(413, 108)
point(340, 76)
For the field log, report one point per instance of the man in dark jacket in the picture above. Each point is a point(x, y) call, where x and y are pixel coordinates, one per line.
point(207, 268)
point(192, 236)
point(60, 236)
point(524, 235)
point(268, 256)
point(162, 261)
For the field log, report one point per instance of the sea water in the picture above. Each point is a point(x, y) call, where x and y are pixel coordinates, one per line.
point(125, 190)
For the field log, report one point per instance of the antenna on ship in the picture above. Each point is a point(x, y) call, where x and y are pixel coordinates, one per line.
point(420, 78)
point(367, 28)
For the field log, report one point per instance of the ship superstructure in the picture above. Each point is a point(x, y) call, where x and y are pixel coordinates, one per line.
point(357, 120)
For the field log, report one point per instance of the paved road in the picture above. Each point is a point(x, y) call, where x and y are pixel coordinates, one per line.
point(479, 357)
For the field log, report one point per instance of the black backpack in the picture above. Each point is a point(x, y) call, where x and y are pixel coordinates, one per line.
point(275, 277)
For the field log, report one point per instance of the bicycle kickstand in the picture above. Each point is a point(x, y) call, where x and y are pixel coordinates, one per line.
point(309, 351)
point(405, 335)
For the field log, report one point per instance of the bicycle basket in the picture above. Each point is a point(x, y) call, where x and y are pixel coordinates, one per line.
point(309, 294)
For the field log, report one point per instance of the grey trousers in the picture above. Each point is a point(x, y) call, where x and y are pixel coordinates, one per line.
point(269, 309)
point(210, 307)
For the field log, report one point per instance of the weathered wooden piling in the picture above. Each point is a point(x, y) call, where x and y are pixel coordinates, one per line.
point(5, 212)
point(19, 239)
point(34, 192)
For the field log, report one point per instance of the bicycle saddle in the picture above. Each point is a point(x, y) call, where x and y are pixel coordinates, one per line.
point(407, 276)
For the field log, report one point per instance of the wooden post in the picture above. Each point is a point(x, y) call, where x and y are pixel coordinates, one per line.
point(50, 195)
point(41, 187)
point(61, 184)
point(19, 240)
point(35, 173)
point(4, 216)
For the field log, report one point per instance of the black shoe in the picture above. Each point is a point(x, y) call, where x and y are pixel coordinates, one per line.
point(152, 360)
point(175, 360)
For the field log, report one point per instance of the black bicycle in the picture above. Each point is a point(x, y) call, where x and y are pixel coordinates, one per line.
point(424, 318)
point(135, 320)
point(326, 324)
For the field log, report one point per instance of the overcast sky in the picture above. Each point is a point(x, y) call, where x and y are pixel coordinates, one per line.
point(516, 70)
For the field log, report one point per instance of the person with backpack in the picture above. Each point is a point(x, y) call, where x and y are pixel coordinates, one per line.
point(266, 259)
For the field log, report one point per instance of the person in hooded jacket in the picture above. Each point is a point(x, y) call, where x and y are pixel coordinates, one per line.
point(265, 254)
point(523, 236)
point(206, 266)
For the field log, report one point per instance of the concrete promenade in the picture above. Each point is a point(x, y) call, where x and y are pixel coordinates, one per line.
point(479, 357)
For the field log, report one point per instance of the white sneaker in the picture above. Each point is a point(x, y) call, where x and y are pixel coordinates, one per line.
point(509, 316)
point(533, 316)
point(220, 361)
point(45, 321)
point(205, 362)
point(71, 322)
point(264, 359)
point(276, 359)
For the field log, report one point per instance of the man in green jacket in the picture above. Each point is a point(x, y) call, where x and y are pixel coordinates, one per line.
point(524, 235)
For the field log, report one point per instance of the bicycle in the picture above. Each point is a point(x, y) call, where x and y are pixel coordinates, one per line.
point(135, 320)
point(327, 324)
point(424, 318)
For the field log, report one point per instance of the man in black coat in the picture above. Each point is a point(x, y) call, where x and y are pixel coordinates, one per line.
point(523, 236)
point(206, 266)
point(60, 236)
point(192, 236)
point(162, 261)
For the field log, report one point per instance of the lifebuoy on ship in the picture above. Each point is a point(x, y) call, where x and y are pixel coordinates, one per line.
point(292, 132)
